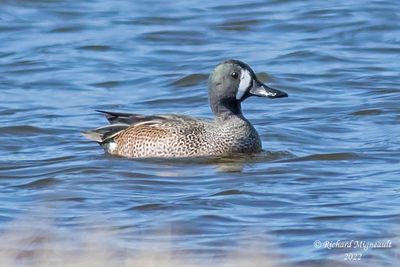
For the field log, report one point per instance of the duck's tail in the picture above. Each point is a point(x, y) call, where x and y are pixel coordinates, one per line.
point(93, 136)
point(105, 135)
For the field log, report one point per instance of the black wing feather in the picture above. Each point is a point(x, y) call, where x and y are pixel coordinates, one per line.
point(127, 118)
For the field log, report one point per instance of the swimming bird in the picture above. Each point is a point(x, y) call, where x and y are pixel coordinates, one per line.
point(141, 136)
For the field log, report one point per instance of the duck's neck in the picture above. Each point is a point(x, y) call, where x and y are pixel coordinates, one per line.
point(224, 110)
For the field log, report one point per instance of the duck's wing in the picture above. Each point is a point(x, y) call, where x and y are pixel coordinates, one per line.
point(128, 118)
point(121, 121)
point(137, 119)
point(118, 122)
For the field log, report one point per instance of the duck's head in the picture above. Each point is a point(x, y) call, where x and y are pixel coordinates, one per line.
point(233, 81)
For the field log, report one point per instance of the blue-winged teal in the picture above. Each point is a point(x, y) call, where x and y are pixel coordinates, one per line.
point(132, 135)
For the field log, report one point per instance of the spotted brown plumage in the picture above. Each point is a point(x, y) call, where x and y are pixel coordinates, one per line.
point(138, 136)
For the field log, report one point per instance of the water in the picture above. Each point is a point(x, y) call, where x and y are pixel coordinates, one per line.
point(330, 167)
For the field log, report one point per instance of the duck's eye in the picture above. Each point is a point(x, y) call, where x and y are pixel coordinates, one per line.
point(234, 75)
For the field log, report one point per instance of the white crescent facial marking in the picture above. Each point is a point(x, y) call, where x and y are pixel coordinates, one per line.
point(244, 84)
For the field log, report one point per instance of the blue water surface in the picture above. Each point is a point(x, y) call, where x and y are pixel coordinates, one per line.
point(330, 167)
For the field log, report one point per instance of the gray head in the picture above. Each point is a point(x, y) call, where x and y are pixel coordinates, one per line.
point(230, 83)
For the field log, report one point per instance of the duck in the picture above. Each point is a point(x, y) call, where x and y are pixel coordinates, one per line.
point(154, 136)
